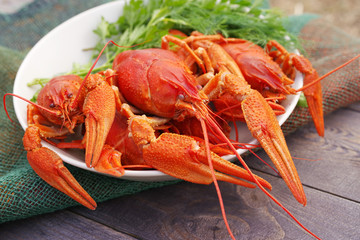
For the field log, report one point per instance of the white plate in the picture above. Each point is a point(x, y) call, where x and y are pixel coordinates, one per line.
point(56, 52)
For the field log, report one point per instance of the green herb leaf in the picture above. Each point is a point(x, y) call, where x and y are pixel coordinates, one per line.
point(102, 29)
point(302, 101)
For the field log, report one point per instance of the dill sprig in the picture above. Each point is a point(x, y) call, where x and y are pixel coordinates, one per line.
point(143, 24)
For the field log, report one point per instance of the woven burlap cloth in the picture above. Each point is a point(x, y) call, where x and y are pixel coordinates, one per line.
point(24, 194)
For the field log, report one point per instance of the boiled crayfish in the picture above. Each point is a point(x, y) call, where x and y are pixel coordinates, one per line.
point(224, 84)
point(129, 113)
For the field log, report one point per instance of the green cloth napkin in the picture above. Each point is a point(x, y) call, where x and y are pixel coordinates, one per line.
point(24, 194)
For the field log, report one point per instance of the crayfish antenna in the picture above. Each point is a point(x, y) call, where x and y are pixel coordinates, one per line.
point(75, 102)
point(231, 146)
point(327, 74)
point(26, 100)
point(207, 147)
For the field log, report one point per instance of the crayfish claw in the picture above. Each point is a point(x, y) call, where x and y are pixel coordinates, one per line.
point(99, 109)
point(68, 185)
point(264, 126)
point(49, 166)
point(94, 143)
point(314, 100)
point(187, 160)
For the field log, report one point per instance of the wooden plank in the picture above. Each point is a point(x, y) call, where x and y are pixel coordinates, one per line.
point(190, 211)
point(58, 225)
point(338, 170)
point(328, 216)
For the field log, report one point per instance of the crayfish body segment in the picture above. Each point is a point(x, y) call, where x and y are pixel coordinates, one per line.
point(155, 81)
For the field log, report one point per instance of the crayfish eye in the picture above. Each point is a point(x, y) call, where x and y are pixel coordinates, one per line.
point(52, 105)
point(69, 95)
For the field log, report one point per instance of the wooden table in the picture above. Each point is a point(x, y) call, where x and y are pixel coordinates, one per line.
point(189, 211)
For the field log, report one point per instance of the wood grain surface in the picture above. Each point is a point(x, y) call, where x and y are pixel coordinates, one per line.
point(329, 168)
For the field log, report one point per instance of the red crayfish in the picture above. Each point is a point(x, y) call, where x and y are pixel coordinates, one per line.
point(129, 112)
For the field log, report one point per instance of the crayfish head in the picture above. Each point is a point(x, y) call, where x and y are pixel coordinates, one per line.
point(58, 95)
point(191, 106)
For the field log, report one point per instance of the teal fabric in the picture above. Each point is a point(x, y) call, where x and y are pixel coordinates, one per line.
point(295, 23)
point(21, 30)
